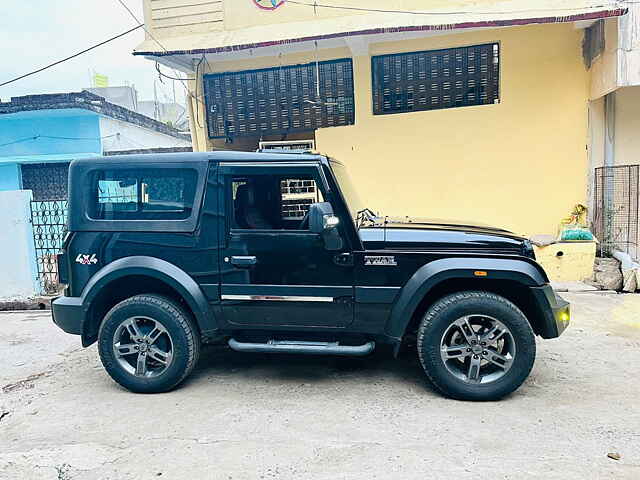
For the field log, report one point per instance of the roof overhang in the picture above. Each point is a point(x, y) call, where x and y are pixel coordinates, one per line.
point(362, 26)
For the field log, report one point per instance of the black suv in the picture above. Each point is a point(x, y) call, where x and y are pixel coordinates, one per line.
point(273, 252)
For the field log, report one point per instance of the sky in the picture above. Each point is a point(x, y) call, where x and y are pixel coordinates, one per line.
point(34, 33)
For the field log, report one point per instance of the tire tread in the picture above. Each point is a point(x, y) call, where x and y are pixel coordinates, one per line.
point(184, 320)
point(442, 305)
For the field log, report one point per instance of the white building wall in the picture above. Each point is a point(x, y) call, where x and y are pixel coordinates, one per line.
point(629, 47)
point(619, 65)
point(627, 141)
point(118, 135)
point(17, 263)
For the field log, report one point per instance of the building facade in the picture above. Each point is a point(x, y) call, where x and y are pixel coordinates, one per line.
point(41, 134)
point(475, 112)
point(614, 123)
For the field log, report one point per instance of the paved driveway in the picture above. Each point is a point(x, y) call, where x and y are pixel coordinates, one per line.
point(246, 416)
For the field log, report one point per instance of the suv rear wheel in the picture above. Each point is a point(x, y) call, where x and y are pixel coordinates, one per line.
point(476, 346)
point(148, 344)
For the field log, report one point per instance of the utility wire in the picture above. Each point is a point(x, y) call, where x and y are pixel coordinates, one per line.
point(36, 137)
point(69, 57)
point(141, 24)
point(316, 5)
point(165, 75)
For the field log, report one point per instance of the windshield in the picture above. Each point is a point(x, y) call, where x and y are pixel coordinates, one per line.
point(351, 196)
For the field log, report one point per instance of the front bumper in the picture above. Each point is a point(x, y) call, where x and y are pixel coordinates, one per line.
point(68, 314)
point(555, 312)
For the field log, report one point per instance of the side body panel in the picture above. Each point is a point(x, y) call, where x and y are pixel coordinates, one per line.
point(158, 269)
point(295, 282)
point(187, 262)
point(431, 274)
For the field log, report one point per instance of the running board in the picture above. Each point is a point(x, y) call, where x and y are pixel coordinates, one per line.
point(310, 348)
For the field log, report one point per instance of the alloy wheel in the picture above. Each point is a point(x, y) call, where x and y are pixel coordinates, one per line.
point(477, 349)
point(143, 347)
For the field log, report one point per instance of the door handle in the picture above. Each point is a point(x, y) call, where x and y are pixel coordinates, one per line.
point(243, 261)
point(343, 260)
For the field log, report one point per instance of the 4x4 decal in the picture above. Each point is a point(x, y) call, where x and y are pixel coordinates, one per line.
point(89, 259)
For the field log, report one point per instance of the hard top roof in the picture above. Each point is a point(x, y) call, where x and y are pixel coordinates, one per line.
point(189, 157)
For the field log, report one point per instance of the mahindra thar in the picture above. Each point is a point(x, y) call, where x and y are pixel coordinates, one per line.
point(274, 253)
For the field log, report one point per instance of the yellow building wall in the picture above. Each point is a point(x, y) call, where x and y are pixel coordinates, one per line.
point(567, 262)
point(521, 164)
point(243, 13)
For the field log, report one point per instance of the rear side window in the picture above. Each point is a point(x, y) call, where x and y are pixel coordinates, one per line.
point(143, 194)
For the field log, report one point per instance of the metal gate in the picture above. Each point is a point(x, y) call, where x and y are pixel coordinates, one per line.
point(48, 184)
point(49, 221)
point(615, 220)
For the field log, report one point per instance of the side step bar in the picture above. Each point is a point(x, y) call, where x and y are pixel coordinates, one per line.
point(310, 348)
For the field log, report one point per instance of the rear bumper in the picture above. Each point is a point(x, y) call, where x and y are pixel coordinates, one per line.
point(556, 312)
point(68, 314)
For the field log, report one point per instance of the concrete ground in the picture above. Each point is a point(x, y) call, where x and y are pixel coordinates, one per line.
point(244, 416)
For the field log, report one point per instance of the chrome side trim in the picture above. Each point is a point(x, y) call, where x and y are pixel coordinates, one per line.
point(277, 298)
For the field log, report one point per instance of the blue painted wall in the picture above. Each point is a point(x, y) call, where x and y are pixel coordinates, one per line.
point(48, 132)
point(10, 178)
point(39, 136)
point(43, 136)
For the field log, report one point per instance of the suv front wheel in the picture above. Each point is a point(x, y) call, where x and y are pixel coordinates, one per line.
point(476, 346)
point(148, 344)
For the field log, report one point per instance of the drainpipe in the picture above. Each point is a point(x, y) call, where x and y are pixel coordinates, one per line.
point(609, 129)
point(609, 161)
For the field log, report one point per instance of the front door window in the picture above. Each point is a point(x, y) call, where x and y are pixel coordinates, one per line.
point(273, 202)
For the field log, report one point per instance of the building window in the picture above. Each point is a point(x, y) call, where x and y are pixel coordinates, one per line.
point(279, 100)
point(297, 196)
point(436, 79)
point(593, 44)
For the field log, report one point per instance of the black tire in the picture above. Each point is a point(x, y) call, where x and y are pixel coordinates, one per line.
point(441, 318)
point(180, 329)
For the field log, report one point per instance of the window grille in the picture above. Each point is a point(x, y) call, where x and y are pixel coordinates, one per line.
point(436, 79)
point(279, 100)
point(616, 205)
point(297, 196)
point(47, 181)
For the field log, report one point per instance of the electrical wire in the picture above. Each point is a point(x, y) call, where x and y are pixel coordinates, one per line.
point(141, 24)
point(69, 57)
point(52, 137)
point(18, 141)
point(316, 5)
point(165, 75)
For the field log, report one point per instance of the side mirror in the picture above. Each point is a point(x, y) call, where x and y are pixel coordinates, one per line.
point(321, 217)
point(324, 222)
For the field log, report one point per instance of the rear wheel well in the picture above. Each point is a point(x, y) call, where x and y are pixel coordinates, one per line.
point(121, 289)
point(517, 293)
